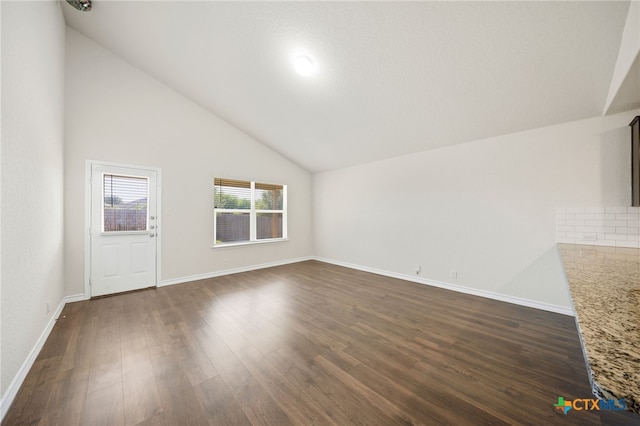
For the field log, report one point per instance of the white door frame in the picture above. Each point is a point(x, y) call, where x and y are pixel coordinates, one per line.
point(87, 218)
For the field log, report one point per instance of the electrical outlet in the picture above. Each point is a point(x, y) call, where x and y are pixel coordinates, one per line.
point(417, 268)
point(48, 308)
point(454, 274)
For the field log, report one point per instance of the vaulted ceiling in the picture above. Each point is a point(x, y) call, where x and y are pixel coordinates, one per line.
point(390, 78)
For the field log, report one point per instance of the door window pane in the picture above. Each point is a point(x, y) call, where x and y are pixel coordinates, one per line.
point(125, 203)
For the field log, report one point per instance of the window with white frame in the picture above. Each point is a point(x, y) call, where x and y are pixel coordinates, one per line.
point(247, 212)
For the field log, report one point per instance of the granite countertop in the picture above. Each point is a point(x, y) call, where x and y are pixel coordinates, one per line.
point(605, 287)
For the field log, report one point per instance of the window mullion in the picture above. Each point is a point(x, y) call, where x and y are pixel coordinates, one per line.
point(215, 223)
point(252, 215)
point(284, 212)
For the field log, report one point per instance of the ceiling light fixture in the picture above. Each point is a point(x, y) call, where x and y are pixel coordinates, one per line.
point(82, 5)
point(303, 65)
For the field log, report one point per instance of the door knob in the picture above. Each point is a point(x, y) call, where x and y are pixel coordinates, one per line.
point(152, 235)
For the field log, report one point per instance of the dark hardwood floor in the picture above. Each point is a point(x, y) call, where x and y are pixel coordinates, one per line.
point(308, 343)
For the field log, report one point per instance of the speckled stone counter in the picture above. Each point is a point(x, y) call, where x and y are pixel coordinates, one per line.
point(605, 287)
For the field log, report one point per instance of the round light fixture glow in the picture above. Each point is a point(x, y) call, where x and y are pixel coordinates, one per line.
point(303, 65)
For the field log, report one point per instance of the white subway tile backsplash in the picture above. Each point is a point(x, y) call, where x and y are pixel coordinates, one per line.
point(608, 226)
point(615, 209)
point(592, 229)
point(599, 240)
point(605, 229)
point(585, 216)
point(626, 216)
point(594, 210)
point(606, 216)
point(631, 231)
point(615, 222)
point(594, 222)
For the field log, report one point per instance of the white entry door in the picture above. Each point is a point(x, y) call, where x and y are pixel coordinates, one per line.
point(124, 229)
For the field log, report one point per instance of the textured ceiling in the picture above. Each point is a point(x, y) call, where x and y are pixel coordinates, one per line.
point(392, 77)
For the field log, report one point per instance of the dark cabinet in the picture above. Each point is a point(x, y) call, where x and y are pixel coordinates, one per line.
point(635, 161)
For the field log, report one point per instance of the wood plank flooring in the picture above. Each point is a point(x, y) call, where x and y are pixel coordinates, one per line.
point(305, 344)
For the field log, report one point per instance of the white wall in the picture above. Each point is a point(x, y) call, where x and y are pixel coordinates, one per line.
point(115, 112)
point(486, 209)
point(33, 46)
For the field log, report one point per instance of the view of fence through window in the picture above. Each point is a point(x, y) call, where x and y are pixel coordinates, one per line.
point(125, 203)
point(235, 218)
point(269, 210)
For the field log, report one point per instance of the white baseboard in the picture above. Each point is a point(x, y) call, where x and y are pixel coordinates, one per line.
point(76, 298)
point(190, 278)
point(18, 379)
point(461, 289)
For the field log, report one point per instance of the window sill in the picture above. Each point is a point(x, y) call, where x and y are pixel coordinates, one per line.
point(248, 243)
